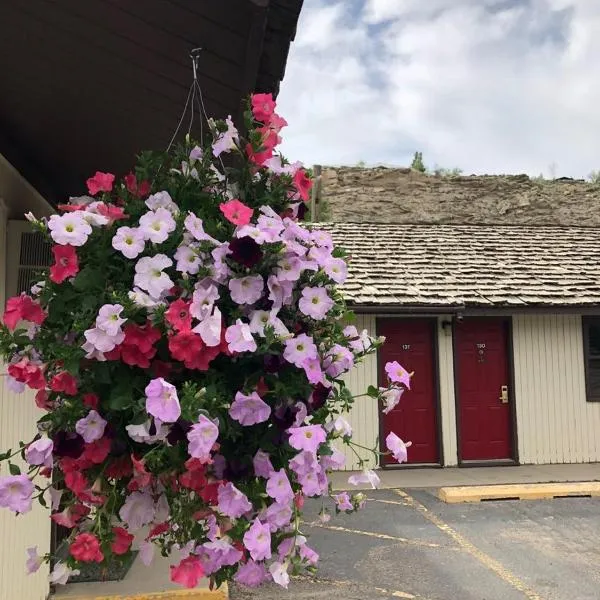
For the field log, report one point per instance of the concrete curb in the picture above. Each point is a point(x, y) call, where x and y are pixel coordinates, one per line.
point(201, 594)
point(528, 491)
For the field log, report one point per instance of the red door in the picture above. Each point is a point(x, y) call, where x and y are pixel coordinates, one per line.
point(485, 430)
point(410, 342)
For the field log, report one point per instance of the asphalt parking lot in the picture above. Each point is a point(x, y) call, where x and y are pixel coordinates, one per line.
point(408, 544)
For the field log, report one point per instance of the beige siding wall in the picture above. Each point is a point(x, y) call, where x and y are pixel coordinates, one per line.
point(364, 416)
point(18, 415)
point(555, 424)
point(446, 385)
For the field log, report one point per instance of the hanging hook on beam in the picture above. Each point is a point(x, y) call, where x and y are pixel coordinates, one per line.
point(195, 55)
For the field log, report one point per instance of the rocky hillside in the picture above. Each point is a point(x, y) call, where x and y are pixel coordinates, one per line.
point(394, 195)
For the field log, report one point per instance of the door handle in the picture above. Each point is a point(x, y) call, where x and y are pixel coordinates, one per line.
point(504, 394)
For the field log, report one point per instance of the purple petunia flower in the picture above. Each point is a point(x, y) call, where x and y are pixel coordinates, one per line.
point(315, 302)
point(91, 427)
point(307, 437)
point(162, 401)
point(279, 488)
point(232, 502)
point(239, 337)
point(202, 437)
point(262, 464)
point(16, 492)
point(247, 290)
point(252, 574)
point(299, 349)
point(249, 410)
point(40, 452)
point(257, 540)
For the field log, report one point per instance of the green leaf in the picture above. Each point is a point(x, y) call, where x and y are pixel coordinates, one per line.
point(121, 396)
point(42, 501)
point(5, 455)
point(88, 279)
point(13, 469)
point(372, 391)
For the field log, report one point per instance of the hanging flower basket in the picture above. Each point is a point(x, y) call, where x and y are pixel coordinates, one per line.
point(187, 347)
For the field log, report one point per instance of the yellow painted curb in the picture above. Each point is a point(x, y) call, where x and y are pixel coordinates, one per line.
point(202, 594)
point(527, 491)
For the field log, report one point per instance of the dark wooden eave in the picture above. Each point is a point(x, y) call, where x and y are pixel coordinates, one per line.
point(85, 85)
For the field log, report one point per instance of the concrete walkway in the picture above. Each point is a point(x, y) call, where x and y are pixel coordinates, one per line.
point(452, 476)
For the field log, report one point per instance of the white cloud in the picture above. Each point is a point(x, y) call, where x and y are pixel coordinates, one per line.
point(485, 85)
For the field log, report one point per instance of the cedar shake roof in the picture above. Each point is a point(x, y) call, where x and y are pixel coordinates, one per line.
point(458, 266)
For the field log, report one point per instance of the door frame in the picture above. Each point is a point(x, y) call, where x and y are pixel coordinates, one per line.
point(434, 324)
point(514, 445)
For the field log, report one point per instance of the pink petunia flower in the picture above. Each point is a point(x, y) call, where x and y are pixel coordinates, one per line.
point(16, 492)
point(247, 290)
point(262, 464)
point(249, 410)
point(257, 540)
point(232, 502)
point(252, 574)
point(315, 302)
point(302, 183)
point(342, 501)
point(307, 437)
point(100, 182)
point(22, 308)
point(239, 337)
point(397, 447)
point(162, 401)
point(263, 107)
point(279, 487)
point(69, 229)
point(65, 263)
point(129, 241)
point(398, 374)
point(188, 572)
point(91, 427)
point(202, 437)
point(236, 212)
point(299, 349)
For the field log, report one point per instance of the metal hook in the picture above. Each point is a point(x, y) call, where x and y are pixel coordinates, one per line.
point(195, 55)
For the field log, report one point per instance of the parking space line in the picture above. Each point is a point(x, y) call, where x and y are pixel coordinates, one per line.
point(464, 544)
point(396, 502)
point(381, 536)
point(339, 583)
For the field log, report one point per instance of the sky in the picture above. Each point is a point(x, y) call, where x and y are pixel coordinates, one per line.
point(487, 86)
